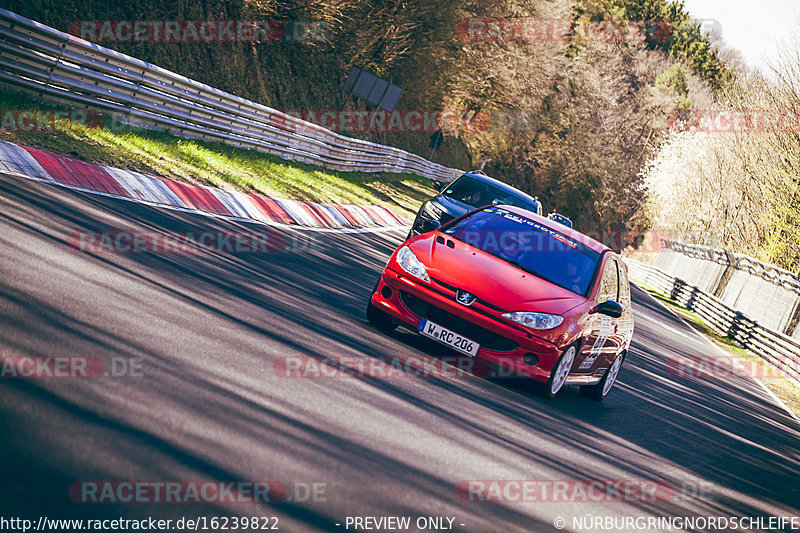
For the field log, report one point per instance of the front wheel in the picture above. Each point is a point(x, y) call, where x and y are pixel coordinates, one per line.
point(560, 372)
point(601, 390)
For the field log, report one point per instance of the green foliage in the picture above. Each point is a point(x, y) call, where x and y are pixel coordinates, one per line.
point(216, 164)
point(674, 79)
point(738, 189)
point(400, 40)
point(668, 27)
point(782, 242)
point(583, 119)
point(682, 103)
point(684, 39)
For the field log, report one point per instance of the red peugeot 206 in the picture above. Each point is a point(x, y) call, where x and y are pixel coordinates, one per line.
point(518, 290)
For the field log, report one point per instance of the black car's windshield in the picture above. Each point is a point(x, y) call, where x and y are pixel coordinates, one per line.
point(529, 245)
point(478, 194)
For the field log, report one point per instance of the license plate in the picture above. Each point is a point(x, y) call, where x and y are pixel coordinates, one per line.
point(448, 338)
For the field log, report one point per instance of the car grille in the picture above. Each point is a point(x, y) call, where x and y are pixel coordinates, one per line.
point(486, 338)
point(477, 300)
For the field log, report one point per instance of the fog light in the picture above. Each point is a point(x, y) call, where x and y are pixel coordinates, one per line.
point(386, 292)
point(530, 359)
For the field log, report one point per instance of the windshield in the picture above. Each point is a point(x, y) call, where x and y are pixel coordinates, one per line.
point(478, 194)
point(529, 245)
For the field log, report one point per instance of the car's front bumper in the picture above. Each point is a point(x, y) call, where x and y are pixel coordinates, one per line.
point(501, 343)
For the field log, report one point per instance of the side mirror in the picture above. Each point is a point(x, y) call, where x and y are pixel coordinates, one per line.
point(438, 185)
point(610, 308)
point(430, 225)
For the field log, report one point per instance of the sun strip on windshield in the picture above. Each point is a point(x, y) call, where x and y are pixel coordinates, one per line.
point(577, 246)
point(544, 229)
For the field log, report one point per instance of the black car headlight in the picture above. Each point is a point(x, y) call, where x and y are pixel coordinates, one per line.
point(431, 210)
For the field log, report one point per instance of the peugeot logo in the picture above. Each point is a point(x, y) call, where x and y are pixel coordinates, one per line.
point(465, 298)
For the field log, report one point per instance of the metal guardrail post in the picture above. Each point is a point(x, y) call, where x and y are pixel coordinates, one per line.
point(726, 276)
point(677, 289)
point(127, 117)
point(53, 67)
point(691, 300)
point(741, 330)
point(794, 320)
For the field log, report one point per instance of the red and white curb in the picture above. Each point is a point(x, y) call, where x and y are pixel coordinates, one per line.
point(164, 192)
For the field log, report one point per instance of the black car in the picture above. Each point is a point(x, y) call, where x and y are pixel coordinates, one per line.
point(473, 189)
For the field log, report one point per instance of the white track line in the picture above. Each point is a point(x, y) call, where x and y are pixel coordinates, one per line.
point(723, 352)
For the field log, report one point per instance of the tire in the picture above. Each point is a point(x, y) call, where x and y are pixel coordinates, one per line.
point(600, 391)
point(378, 318)
point(560, 372)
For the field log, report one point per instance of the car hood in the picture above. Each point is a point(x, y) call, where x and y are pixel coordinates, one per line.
point(490, 278)
point(453, 207)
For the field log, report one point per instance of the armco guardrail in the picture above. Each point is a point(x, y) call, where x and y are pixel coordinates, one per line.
point(62, 67)
point(779, 350)
point(762, 291)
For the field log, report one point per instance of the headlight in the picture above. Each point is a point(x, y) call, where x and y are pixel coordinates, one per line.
point(409, 262)
point(432, 210)
point(534, 320)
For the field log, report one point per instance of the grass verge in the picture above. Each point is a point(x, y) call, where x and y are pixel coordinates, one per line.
point(207, 163)
point(784, 389)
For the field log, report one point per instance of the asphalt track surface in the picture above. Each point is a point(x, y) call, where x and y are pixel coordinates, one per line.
point(206, 330)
